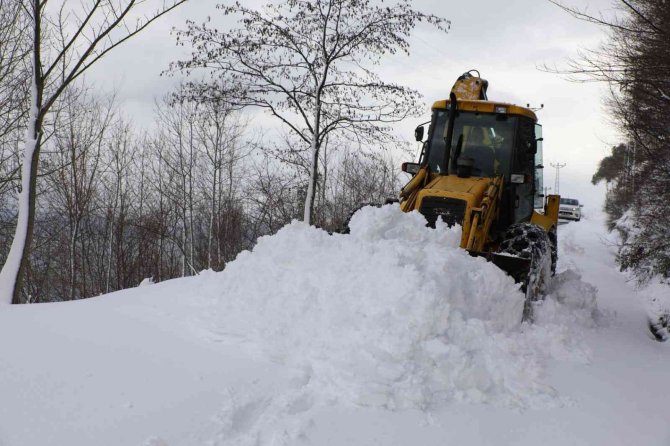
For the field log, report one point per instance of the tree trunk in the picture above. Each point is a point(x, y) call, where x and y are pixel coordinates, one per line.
point(17, 262)
point(73, 252)
point(190, 195)
point(13, 272)
point(314, 167)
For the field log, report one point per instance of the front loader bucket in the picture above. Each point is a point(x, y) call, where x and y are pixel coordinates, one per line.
point(517, 267)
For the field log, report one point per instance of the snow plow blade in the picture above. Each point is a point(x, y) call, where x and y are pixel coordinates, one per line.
point(515, 266)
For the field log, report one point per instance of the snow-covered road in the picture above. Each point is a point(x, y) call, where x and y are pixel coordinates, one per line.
point(322, 340)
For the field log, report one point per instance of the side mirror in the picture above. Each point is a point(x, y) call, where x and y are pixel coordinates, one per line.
point(581, 205)
point(418, 133)
point(412, 168)
point(532, 149)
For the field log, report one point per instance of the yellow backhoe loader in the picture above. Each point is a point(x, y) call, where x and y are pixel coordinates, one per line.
point(481, 167)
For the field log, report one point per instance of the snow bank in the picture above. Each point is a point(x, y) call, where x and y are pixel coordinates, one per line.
point(657, 295)
point(393, 315)
point(652, 288)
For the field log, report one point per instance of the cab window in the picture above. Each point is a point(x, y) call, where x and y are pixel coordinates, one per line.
point(486, 138)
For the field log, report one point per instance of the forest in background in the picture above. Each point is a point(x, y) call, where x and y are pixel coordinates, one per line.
point(91, 204)
point(117, 204)
point(635, 62)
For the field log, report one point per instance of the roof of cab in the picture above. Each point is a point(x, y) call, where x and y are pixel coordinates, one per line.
point(487, 107)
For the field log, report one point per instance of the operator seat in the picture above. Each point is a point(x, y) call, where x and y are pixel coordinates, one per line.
point(484, 160)
point(482, 154)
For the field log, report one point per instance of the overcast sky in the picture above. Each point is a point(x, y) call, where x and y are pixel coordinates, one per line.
point(506, 40)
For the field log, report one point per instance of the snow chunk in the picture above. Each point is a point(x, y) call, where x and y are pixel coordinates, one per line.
point(147, 281)
point(570, 302)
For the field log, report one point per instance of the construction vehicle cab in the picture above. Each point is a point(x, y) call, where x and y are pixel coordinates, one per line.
point(481, 167)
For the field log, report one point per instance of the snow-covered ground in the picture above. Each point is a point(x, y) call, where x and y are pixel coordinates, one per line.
point(391, 336)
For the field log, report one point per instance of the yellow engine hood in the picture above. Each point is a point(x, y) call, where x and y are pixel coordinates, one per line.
point(469, 189)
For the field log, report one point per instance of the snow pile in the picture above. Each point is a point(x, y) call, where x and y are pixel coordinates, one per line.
point(393, 315)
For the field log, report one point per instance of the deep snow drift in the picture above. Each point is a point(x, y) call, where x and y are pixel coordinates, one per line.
point(393, 315)
point(390, 335)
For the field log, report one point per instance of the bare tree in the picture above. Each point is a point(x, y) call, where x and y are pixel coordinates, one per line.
point(219, 139)
point(82, 133)
point(274, 197)
point(177, 137)
point(14, 80)
point(304, 63)
point(77, 38)
point(118, 183)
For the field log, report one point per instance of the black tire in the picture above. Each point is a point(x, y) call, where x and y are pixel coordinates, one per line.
point(531, 242)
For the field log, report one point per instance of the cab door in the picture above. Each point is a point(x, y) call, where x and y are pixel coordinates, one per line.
point(523, 172)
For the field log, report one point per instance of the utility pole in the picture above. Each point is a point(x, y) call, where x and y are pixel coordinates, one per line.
point(558, 168)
